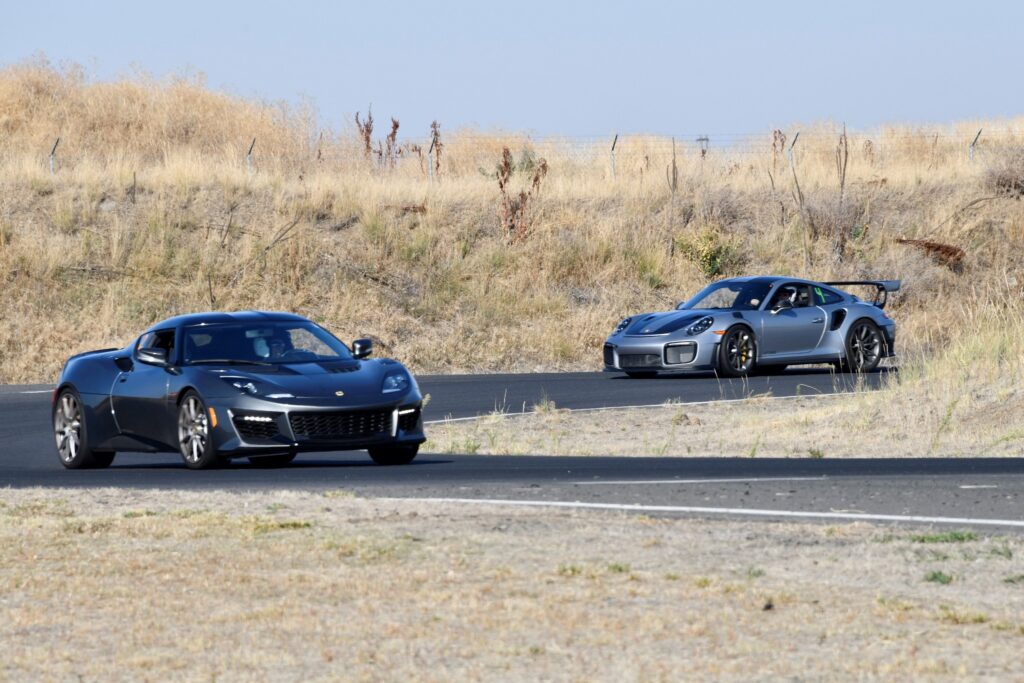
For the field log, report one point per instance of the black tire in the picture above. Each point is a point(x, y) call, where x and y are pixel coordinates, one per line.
point(646, 374)
point(69, 431)
point(194, 440)
point(865, 347)
point(393, 455)
point(269, 461)
point(737, 352)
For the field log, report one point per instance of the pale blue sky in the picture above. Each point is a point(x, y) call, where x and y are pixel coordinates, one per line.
point(571, 68)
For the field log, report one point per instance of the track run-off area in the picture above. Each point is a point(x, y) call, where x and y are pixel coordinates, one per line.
point(969, 492)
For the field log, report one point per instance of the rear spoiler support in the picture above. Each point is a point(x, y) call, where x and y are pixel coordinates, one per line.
point(882, 288)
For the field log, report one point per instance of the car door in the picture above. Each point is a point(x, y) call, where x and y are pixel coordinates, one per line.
point(139, 395)
point(793, 329)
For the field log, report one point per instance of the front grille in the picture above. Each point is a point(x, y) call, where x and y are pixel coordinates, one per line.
point(609, 354)
point(348, 424)
point(256, 429)
point(676, 354)
point(408, 421)
point(639, 360)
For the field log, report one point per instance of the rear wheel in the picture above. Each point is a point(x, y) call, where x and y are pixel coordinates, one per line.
point(864, 347)
point(393, 455)
point(194, 440)
point(73, 446)
point(737, 352)
point(272, 460)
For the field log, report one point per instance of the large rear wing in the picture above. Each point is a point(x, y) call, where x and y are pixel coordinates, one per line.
point(882, 288)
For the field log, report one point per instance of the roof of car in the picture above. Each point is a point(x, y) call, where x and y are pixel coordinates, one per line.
point(772, 279)
point(215, 317)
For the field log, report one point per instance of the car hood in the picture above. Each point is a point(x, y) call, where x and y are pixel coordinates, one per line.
point(356, 380)
point(665, 322)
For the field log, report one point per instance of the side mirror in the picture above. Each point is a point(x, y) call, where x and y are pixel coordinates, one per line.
point(783, 305)
point(152, 356)
point(361, 348)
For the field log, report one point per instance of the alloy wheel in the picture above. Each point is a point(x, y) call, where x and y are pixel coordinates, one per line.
point(865, 347)
point(67, 427)
point(739, 351)
point(193, 429)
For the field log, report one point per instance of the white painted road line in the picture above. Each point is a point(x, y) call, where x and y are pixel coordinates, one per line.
point(979, 486)
point(37, 391)
point(667, 404)
point(753, 480)
point(742, 512)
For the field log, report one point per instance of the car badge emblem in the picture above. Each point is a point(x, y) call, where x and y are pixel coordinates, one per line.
point(339, 393)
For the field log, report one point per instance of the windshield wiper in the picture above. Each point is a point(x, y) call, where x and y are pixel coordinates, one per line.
point(229, 361)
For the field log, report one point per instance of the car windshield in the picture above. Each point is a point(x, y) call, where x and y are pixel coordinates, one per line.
point(730, 295)
point(261, 343)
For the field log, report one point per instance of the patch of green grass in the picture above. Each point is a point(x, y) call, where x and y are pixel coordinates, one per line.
point(816, 453)
point(570, 570)
point(1017, 580)
point(672, 576)
point(754, 572)
point(262, 525)
point(951, 616)
point(945, 537)
point(1002, 551)
point(938, 577)
point(133, 514)
point(618, 568)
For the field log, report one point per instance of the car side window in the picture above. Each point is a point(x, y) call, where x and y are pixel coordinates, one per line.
point(824, 297)
point(797, 294)
point(160, 339)
point(803, 296)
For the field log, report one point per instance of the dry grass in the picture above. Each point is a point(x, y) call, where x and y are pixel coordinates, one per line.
point(133, 585)
point(152, 212)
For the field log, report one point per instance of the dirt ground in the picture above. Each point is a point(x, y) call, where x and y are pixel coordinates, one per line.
point(154, 586)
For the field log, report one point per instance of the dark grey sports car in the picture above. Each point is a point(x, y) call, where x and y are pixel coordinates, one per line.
point(740, 325)
point(214, 386)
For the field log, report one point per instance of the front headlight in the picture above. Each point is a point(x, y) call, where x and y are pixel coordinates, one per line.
point(622, 325)
point(396, 382)
point(245, 386)
point(702, 325)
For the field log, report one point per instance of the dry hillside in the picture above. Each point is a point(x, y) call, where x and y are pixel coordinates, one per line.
point(457, 261)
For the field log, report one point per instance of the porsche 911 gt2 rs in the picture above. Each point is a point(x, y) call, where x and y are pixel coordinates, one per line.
point(737, 326)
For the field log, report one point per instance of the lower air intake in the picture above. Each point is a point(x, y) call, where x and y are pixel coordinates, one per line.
point(340, 425)
point(680, 353)
point(256, 427)
point(639, 360)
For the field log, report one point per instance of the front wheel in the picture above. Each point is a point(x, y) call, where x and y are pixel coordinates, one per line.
point(393, 455)
point(864, 347)
point(194, 439)
point(737, 352)
point(73, 445)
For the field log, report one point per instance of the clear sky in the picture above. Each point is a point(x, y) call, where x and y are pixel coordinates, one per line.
point(566, 68)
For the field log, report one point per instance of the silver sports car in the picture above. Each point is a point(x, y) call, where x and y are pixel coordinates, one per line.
point(741, 325)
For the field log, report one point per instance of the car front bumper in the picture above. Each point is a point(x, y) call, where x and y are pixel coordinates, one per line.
point(256, 427)
point(624, 353)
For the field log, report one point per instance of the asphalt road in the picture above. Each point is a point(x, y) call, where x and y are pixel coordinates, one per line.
point(983, 492)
